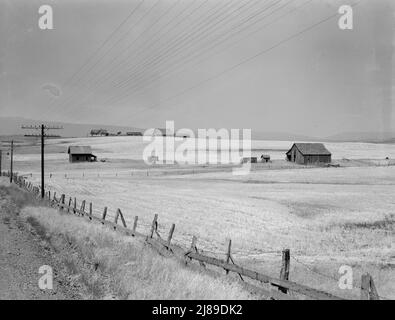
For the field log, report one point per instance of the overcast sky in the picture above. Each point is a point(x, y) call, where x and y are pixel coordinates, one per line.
point(191, 61)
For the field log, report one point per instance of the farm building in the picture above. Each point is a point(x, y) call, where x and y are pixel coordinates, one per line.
point(159, 132)
point(306, 153)
point(265, 158)
point(249, 160)
point(81, 154)
point(134, 133)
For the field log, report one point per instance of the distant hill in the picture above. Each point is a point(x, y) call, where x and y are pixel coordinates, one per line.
point(12, 126)
point(362, 137)
point(281, 136)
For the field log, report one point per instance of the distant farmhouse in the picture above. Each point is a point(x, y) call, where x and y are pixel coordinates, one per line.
point(265, 158)
point(81, 154)
point(159, 132)
point(134, 133)
point(99, 132)
point(309, 153)
point(249, 160)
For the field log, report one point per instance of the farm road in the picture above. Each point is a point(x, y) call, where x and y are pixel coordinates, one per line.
point(21, 255)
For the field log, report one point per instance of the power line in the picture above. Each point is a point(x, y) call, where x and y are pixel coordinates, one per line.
point(191, 38)
point(145, 31)
point(130, 45)
point(153, 41)
point(223, 40)
point(104, 43)
point(186, 35)
point(134, 40)
point(247, 60)
point(189, 56)
point(119, 40)
point(89, 59)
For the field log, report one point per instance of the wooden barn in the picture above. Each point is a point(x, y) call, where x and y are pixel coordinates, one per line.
point(309, 153)
point(81, 154)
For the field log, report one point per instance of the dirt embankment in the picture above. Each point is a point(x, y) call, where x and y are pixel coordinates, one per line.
point(22, 253)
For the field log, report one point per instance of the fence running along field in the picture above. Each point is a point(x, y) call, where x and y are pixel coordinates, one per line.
point(282, 286)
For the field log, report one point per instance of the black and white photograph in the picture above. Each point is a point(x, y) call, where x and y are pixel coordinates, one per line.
point(198, 155)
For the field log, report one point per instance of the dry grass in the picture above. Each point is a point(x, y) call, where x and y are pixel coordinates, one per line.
point(125, 266)
point(20, 198)
point(327, 217)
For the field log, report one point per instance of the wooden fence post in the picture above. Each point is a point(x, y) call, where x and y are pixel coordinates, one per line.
point(228, 251)
point(136, 218)
point(368, 288)
point(193, 243)
point(365, 285)
point(70, 202)
point(119, 214)
point(192, 249)
point(170, 234)
point(82, 209)
point(62, 198)
point(154, 225)
point(104, 214)
point(373, 291)
point(116, 218)
point(285, 266)
point(75, 205)
point(90, 210)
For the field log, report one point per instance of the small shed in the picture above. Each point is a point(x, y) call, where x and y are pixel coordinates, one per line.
point(265, 158)
point(309, 153)
point(81, 154)
point(249, 160)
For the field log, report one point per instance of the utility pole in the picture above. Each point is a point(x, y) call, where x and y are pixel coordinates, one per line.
point(11, 158)
point(42, 162)
point(42, 135)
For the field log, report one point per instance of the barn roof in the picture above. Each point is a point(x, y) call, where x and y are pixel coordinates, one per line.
point(79, 150)
point(311, 149)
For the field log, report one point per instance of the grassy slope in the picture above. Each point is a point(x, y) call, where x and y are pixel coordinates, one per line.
point(125, 266)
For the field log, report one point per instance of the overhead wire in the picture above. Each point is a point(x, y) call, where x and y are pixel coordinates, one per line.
point(244, 61)
point(191, 24)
